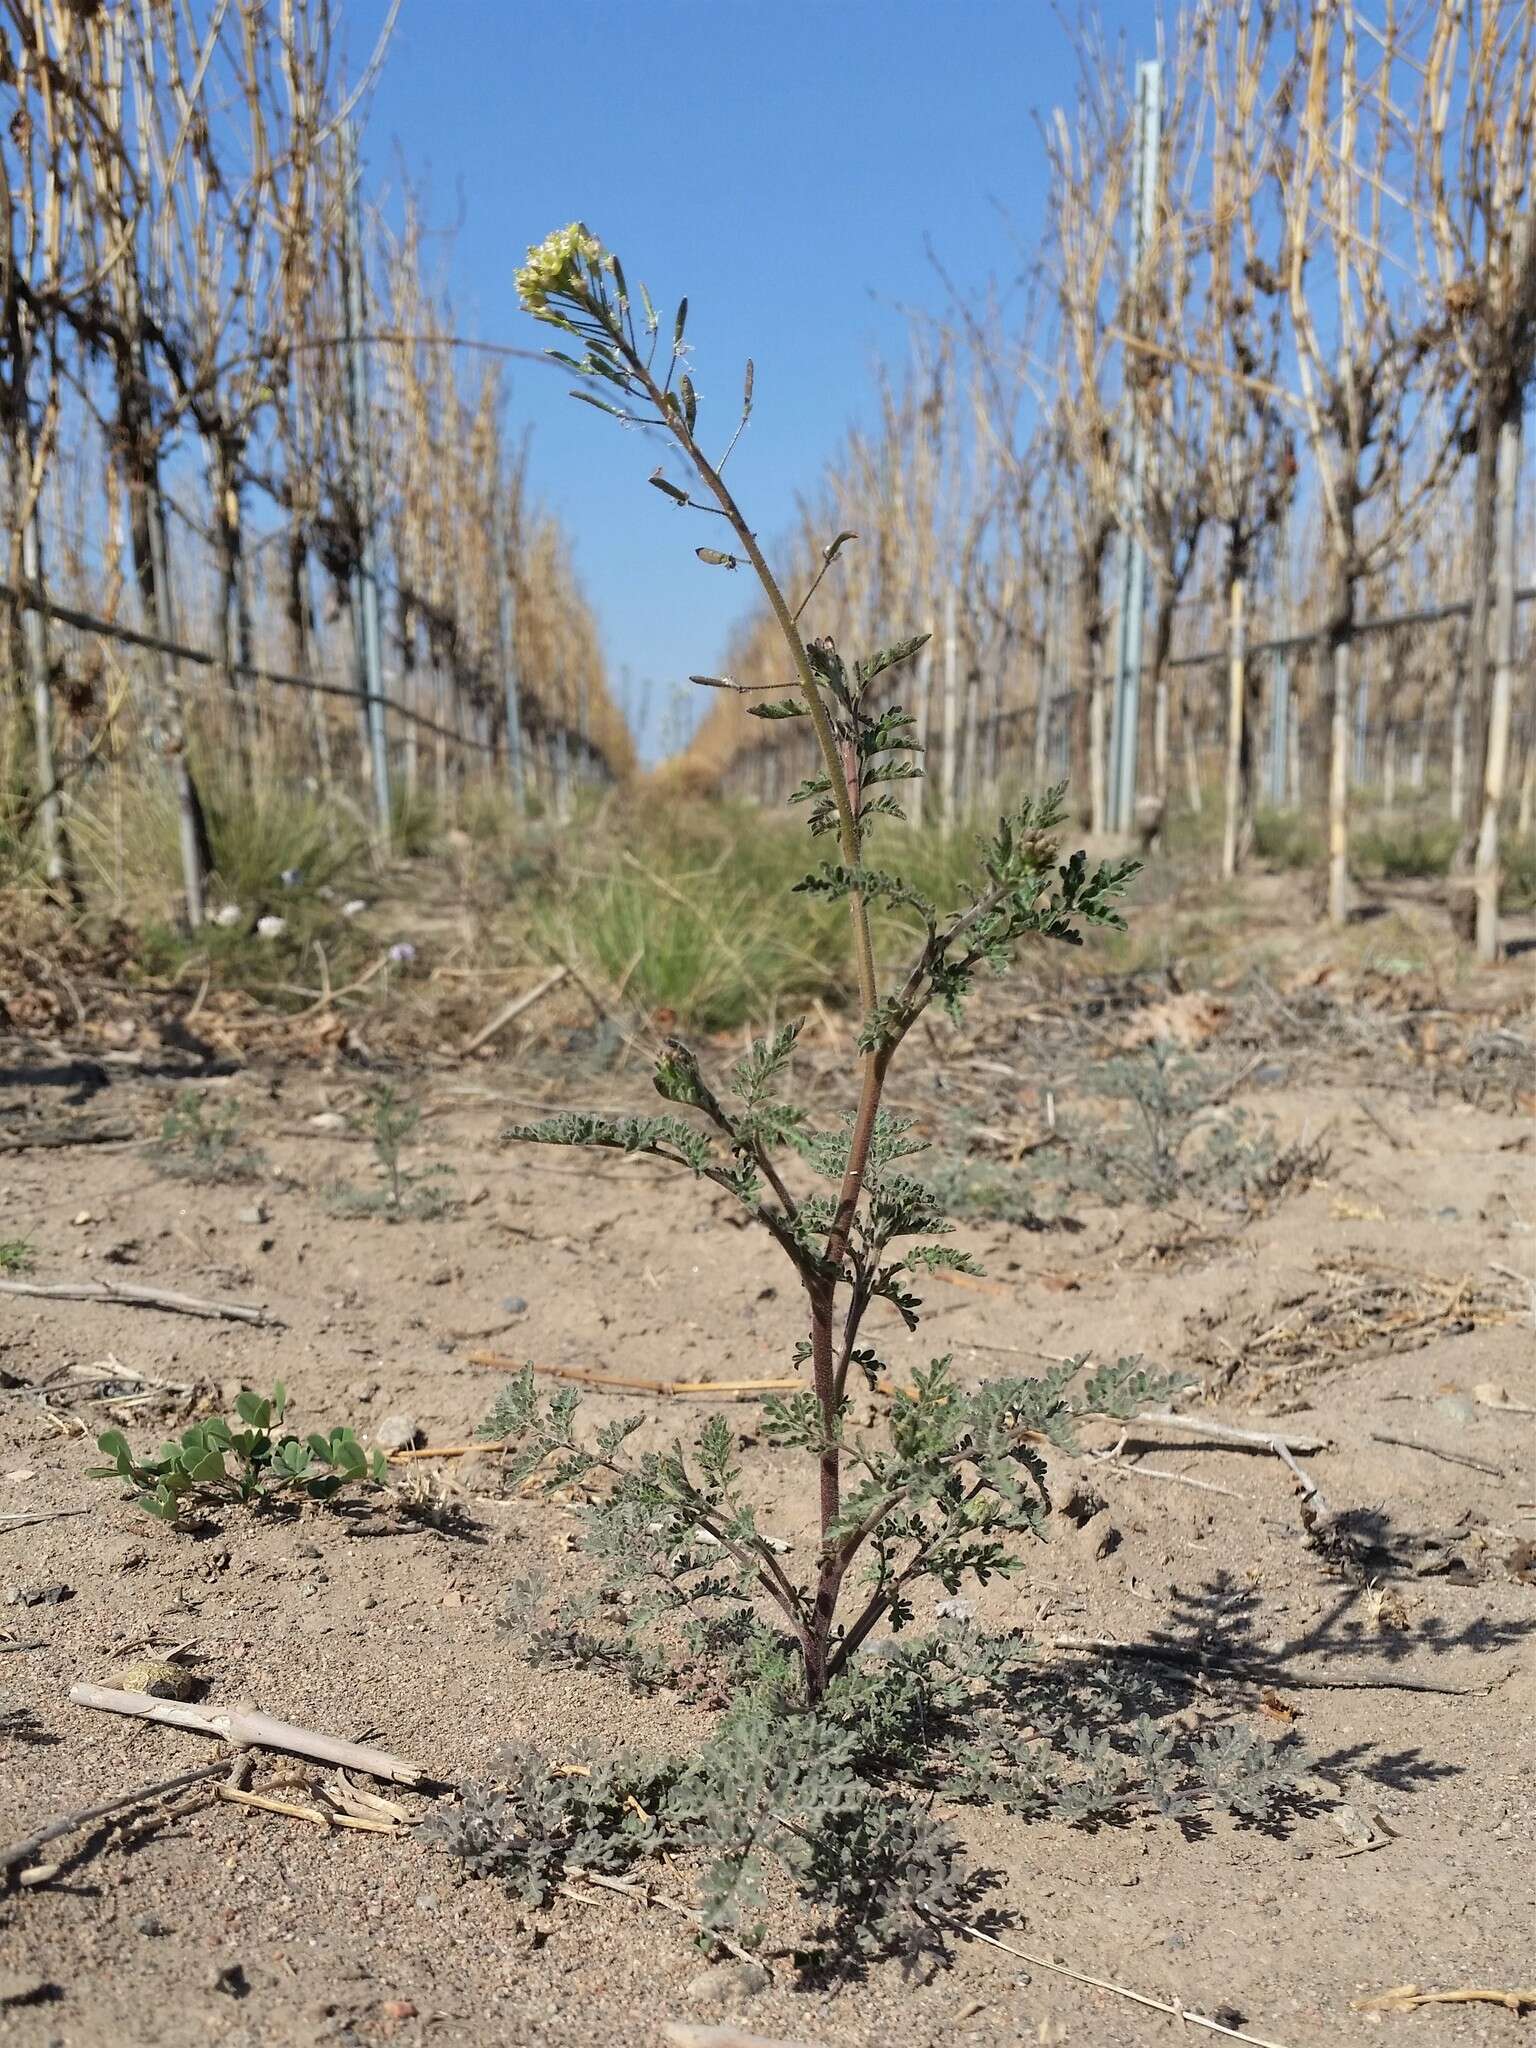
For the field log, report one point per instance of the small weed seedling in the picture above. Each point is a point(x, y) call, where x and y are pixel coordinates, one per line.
point(389, 1123)
point(205, 1146)
point(1177, 1141)
point(16, 1255)
point(251, 1462)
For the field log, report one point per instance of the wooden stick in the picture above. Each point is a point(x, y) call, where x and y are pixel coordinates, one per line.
point(10, 1522)
point(444, 1451)
point(588, 1376)
point(1178, 2012)
point(693, 2034)
point(245, 1727)
point(140, 1297)
point(1412, 1443)
point(1404, 1997)
point(68, 1823)
point(55, 1136)
point(515, 1008)
point(1310, 1490)
point(268, 1803)
point(1113, 1464)
point(1509, 1273)
point(973, 1281)
point(1220, 1432)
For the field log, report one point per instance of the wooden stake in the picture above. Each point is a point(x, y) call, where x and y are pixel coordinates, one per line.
point(1236, 692)
point(947, 761)
point(1501, 696)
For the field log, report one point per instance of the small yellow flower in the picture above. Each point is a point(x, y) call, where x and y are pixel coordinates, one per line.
point(553, 268)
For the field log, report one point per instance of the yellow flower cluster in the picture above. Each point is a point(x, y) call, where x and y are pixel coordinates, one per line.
point(554, 267)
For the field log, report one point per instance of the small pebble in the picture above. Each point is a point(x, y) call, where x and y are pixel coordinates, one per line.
point(162, 1681)
point(1456, 1408)
point(513, 1305)
point(397, 1433)
point(725, 1983)
point(254, 1212)
point(149, 1923)
point(1353, 1826)
point(362, 1390)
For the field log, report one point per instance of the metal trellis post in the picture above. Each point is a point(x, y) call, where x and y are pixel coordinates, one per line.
point(1133, 560)
point(505, 647)
point(365, 581)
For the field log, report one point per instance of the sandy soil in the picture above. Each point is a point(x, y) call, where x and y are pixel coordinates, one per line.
point(1362, 1305)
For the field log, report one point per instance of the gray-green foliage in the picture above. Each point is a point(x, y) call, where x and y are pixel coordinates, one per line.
point(836, 1804)
point(205, 1144)
point(251, 1460)
point(956, 1475)
point(389, 1123)
point(1030, 1194)
point(1174, 1139)
point(933, 1484)
point(937, 1490)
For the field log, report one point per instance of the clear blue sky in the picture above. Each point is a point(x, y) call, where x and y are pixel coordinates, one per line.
point(781, 161)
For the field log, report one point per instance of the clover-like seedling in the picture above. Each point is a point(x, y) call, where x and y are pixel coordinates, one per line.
point(390, 1120)
point(205, 1145)
point(248, 1461)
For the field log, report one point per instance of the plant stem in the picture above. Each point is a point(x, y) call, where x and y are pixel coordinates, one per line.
point(821, 1289)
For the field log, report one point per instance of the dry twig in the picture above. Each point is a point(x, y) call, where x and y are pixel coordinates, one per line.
point(1412, 1443)
point(142, 1297)
point(1178, 2012)
point(1406, 1997)
point(1223, 1433)
point(68, 1823)
point(245, 1727)
point(634, 1888)
point(588, 1376)
point(515, 1008)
